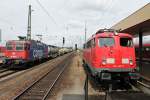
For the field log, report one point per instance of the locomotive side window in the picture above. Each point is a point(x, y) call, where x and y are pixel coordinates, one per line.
point(19, 46)
point(93, 42)
point(108, 41)
point(9, 46)
point(126, 42)
point(88, 44)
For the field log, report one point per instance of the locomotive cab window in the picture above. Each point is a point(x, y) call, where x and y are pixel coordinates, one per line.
point(93, 42)
point(106, 41)
point(126, 42)
point(19, 46)
point(9, 46)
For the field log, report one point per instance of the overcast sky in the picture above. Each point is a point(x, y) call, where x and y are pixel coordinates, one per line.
point(66, 18)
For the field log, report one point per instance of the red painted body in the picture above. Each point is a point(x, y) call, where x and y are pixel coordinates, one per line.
point(2, 51)
point(24, 51)
point(17, 54)
point(95, 55)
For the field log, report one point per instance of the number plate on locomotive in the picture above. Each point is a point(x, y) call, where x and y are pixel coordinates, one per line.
point(110, 60)
point(125, 61)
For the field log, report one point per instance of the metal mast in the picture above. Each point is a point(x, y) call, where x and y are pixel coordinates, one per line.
point(39, 36)
point(29, 24)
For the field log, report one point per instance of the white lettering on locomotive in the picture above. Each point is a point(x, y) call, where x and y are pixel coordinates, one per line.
point(37, 53)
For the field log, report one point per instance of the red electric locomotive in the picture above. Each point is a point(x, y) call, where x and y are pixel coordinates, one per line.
point(25, 51)
point(109, 55)
point(2, 51)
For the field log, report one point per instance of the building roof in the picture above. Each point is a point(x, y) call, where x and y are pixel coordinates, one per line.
point(135, 21)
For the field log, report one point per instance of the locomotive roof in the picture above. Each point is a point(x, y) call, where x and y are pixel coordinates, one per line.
point(24, 41)
point(21, 41)
point(113, 34)
point(108, 34)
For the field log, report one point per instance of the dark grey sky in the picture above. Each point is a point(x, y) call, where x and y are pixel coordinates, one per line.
point(63, 15)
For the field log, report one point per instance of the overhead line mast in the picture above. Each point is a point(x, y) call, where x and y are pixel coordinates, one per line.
point(29, 24)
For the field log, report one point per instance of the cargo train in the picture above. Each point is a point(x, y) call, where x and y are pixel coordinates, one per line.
point(23, 52)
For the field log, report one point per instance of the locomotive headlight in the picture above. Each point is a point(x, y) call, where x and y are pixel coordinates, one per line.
point(131, 62)
point(104, 61)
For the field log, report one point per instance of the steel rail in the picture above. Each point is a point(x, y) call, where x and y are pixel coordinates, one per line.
point(145, 78)
point(53, 84)
point(3, 70)
point(34, 83)
point(143, 84)
point(7, 73)
point(26, 89)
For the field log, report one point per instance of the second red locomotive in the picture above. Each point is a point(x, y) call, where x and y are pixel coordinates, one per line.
point(109, 55)
point(25, 51)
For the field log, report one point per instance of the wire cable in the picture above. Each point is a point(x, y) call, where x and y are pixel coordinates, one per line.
point(43, 8)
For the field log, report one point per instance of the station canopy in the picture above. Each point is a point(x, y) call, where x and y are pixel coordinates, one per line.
point(139, 20)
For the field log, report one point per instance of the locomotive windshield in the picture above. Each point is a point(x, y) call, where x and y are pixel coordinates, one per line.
point(19, 46)
point(126, 42)
point(106, 41)
point(9, 46)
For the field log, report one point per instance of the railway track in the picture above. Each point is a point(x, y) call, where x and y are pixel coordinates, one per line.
point(139, 92)
point(6, 72)
point(3, 70)
point(144, 84)
point(41, 88)
point(145, 78)
point(126, 96)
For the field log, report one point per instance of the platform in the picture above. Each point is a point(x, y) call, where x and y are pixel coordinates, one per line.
point(112, 96)
point(81, 97)
point(144, 70)
point(129, 96)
